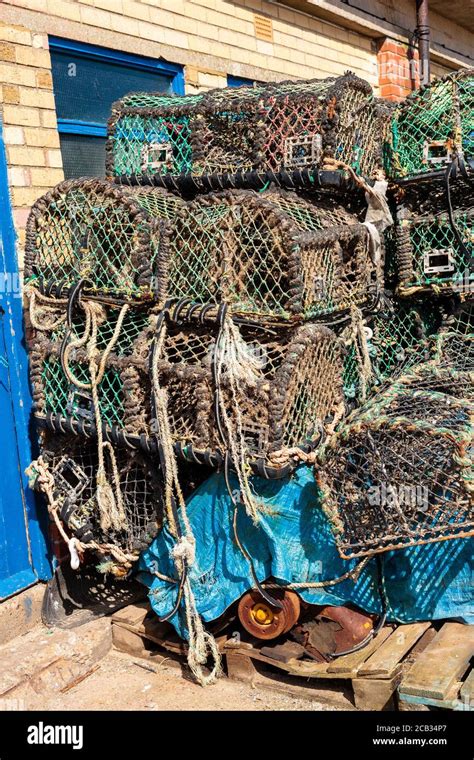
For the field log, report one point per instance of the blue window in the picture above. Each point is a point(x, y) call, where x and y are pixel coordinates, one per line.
point(87, 79)
point(239, 81)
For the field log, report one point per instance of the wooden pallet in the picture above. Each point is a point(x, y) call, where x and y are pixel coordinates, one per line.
point(442, 676)
point(374, 672)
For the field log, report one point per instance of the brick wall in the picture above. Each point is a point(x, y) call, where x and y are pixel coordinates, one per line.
point(398, 67)
point(29, 120)
point(212, 35)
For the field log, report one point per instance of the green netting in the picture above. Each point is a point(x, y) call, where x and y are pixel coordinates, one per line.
point(274, 127)
point(395, 341)
point(93, 230)
point(433, 125)
point(399, 473)
point(268, 255)
point(58, 396)
point(430, 252)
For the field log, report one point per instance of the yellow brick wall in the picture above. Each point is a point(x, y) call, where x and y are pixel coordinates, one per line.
point(29, 120)
point(220, 30)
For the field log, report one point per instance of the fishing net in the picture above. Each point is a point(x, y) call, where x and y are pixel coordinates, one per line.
point(272, 255)
point(433, 126)
point(92, 230)
point(270, 128)
point(394, 339)
point(450, 368)
point(73, 464)
point(400, 473)
point(434, 249)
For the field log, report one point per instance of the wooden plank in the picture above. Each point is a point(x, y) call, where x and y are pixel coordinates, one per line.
point(467, 691)
point(241, 667)
point(385, 659)
point(133, 615)
point(375, 693)
point(350, 663)
point(443, 662)
point(294, 667)
point(450, 702)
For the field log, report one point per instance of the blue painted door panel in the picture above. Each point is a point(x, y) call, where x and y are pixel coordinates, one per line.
point(23, 551)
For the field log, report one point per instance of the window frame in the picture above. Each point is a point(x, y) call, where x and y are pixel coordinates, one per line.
point(94, 52)
point(235, 81)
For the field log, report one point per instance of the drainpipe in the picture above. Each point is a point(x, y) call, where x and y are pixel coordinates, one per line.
point(423, 34)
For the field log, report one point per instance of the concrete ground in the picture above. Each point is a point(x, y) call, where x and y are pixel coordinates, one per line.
point(78, 669)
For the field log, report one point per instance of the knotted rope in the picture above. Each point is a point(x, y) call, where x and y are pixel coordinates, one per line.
point(234, 362)
point(109, 499)
point(48, 306)
point(202, 644)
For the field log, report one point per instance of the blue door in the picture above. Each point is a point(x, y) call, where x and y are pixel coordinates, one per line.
point(23, 551)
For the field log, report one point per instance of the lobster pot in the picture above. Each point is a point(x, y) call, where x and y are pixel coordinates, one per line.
point(449, 368)
point(395, 339)
point(151, 134)
point(272, 255)
point(275, 128)
point(431, 253)
point(92, 230)
point(287, 392)
point(73, 463)
point(61, 379)
point(432, 126)
point(400, 474)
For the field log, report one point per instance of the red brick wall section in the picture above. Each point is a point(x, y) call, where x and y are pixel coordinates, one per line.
point(398, 65)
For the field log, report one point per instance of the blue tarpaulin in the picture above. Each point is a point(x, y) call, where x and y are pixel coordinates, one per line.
point(293, 543)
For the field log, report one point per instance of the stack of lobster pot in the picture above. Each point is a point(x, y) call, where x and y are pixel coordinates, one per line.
point(206, 302)
point(268, 257)
point(399, 471)
point(91, 260)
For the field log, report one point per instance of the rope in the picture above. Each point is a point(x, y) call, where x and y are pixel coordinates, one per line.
point(109, 499)
point(234, 362)
point(35, 295)
point(202, 644)
point(93, 311)
point(359, 341)
point(353, 574)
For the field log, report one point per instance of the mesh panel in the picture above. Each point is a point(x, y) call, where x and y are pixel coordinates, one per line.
point(82, 156)
point(432, 125)
point(91, 229)
point(296, 396)
point(273, 127)
point(271, 255)
point(400, 474)
point(396, 340)
point(429, 252)
point(73, 463)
